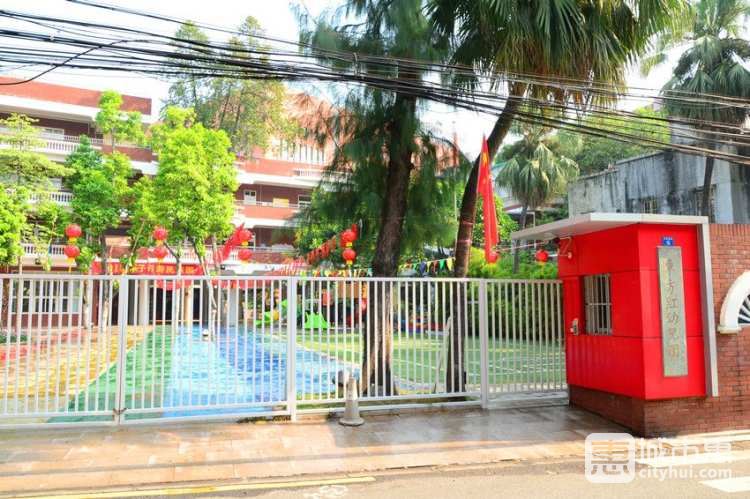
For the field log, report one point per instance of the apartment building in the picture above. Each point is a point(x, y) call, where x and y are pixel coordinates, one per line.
point(274, 183)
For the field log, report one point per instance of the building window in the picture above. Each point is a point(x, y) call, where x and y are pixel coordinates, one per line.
point(50, 132)
point(249, 197)
point(597, 303)
point(698, 202)
point(303, 200)
point(649, 205)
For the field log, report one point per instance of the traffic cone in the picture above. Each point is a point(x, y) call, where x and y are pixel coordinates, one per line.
point(351, 410)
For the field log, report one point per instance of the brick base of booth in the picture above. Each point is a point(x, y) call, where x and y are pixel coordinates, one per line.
point(730, 257)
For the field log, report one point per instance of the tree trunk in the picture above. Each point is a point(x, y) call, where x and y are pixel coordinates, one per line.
point(106, 298)
point(455, 376)
point(522, 225)
point(376, 358)
point(469, 199)
point(706, 194)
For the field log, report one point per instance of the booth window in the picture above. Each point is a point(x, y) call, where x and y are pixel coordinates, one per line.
point(598, 304)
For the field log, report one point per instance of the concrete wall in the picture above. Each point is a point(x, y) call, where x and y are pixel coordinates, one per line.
point(670, 179)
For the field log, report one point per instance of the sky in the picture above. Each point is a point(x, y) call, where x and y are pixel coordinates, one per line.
point(277, 19)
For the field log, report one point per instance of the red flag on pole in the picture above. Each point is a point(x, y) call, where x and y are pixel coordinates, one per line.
point(486, 190)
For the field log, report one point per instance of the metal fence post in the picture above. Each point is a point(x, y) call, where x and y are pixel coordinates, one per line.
point(484, 344)
point(291, 349)
point(122, 332)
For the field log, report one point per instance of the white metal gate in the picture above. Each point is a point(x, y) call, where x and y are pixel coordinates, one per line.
point(113, 349)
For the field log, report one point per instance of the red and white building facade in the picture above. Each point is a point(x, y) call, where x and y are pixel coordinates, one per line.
point(274, 184)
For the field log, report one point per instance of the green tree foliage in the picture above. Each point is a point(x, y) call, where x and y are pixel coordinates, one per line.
point(505, 224)
point(249, 111)
point(533, 170)
point(49, 221)
point(382, 141)
point(25, 179)
point(382, 138)
point(20, 165)
point(119, 125)
point(575, 40)
point(101, 194)
point(12, 221)
point(192, 193)
point(715, 61)
point(594, 154)
point(503, 268)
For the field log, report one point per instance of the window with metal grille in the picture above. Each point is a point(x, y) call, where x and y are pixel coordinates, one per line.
point(649, 205)
point(598, 304)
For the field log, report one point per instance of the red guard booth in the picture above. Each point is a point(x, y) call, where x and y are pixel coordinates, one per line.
point(637, 308)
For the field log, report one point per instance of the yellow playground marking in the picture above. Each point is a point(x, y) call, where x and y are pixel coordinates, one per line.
point(64, 368)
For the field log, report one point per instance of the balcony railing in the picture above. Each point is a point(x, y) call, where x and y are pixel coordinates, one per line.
point(273, 204)
point(60, 197)
point(55, 144)
point(314, 173)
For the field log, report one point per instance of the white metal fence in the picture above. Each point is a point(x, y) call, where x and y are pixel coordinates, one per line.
point(134, 348)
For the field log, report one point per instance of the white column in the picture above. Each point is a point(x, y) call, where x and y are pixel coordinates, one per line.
point(143, 302)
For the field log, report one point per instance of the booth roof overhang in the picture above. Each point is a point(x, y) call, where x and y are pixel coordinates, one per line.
point(595, 222)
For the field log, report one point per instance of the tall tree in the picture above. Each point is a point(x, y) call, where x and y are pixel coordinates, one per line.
point(192, 193)
point(101, 193)
point(533, 171)
point(251, 112)
point(587, 41)
point(26, 179)
point(119, 125)
point(381, 133)
point(715, 61)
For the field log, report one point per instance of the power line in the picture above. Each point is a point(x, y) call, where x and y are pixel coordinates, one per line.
point(168, 56)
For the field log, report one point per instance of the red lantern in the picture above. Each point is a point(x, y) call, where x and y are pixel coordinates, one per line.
point(160, 235)
point(72, 252)
point(244, 236)
point(355, 228)
point(493, 256)
point(73, 232)
point(348, 237)
point(160, 252)
point(541, 256)
point(244, 254)
point(349, 255)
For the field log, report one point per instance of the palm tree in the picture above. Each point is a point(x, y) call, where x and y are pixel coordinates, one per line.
point(533, 171)
point(589, 41)
point(712, 63)
point(382, 136)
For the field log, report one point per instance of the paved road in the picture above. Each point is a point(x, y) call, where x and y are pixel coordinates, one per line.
point(518, 480)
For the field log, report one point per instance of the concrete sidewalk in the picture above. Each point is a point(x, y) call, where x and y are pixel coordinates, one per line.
point(64, 459)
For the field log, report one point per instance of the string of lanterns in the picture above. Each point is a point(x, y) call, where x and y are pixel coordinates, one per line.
point(345, 240)
point(72, 251)
point(244, 236)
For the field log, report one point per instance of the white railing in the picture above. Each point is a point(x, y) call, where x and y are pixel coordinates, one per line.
point(60, 197)
point(30, 249)
point(315, 173)
point(273, 204)
point(137, 348)
point(53, 143)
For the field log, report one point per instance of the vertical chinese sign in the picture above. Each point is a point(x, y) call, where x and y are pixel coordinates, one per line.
point(672, 299)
